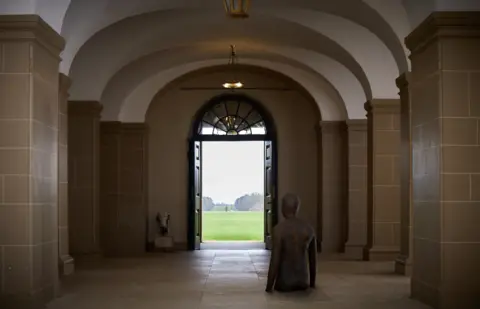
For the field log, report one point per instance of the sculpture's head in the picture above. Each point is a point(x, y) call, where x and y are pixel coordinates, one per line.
point(290, 205)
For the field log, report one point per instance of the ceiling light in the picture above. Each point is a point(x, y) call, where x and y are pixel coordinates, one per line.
point(234, 83)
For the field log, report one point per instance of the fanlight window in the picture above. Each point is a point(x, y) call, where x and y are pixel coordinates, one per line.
point(232, 118)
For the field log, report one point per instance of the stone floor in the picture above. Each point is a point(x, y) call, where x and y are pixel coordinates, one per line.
point(226, 279)
point(232, 245)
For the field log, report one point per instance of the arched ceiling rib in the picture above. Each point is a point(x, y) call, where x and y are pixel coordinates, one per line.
point(129, 78)
point(363, 45)
point(136, 104)
point(365, 36)
point(395, 13)
point(111, 49)
point(86, 17)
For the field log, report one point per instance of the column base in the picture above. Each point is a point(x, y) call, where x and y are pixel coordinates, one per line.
point(36, 300)
point(380, 254)
point(425, 293)
point(354, 252)
point(67, 265)
point(181, 246)
point(445, 298)
point(403, 265)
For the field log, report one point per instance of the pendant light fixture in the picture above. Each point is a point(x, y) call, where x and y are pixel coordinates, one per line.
point(234, 83)
point(237, 8)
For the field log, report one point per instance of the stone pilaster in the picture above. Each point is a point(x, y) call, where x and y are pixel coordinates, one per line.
point(66, 262)
point(84, 177)
point(29, 111)
point(403, 263)
point(334, 186)
point(445, 102)
point(357, 188)
point(383, 197)
point(110, 142)
point(123, 172)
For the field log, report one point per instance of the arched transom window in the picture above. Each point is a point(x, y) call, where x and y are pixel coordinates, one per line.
point(232, 117)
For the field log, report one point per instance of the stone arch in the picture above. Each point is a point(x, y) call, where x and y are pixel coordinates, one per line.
point(121, 101)
point(294, 112)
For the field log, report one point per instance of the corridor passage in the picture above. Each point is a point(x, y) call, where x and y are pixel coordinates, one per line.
point(226, 279)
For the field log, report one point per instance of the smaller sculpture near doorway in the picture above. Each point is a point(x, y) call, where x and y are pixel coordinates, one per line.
point(163, 224)
point(164, 241)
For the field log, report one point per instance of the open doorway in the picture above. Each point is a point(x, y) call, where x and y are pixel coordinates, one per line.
point(232, 160)
point(233, 193)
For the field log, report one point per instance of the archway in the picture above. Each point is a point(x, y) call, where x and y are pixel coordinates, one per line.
point(230, 118)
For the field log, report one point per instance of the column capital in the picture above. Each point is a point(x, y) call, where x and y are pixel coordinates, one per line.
point(111, 127)
point(31, 27)
point(383, 106)
point(92, 108)
point(64, 83)
point(134, 128)
point(117, 127)
point(444, 24)
point(329, 126)
point(357, 124)
point(403, 80)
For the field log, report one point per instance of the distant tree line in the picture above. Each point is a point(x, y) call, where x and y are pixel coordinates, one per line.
point(247, 202)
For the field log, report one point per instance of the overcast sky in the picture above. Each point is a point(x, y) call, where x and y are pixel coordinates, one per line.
point(232, 169)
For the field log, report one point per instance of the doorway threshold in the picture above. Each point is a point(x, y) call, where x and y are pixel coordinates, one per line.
point(232, 245)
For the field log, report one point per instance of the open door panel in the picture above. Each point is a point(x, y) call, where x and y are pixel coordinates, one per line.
point(195, 207)
point(269, 194)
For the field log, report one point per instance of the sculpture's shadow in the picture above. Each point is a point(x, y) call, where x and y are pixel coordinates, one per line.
point(300, 296)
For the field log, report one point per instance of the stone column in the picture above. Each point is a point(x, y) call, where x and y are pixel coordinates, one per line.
point(445, 99)
point(29, 64)
point(123, 188)
point(110, 141)
point(84, 177)
point(66, 262)
point(334, 186)
point(357, 188)
point(383, 237)
point(403, 263)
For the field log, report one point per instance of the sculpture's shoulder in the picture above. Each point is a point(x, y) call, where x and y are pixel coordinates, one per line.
point(305, 227)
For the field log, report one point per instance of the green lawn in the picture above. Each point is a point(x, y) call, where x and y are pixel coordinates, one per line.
point(241, 225)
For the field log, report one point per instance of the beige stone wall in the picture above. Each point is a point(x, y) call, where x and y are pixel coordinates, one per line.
point(83, 171)
point(445, 100)
point(65, 260)
point(170, 118)
point(357, 188)
point(28, 161)
point(123, 171)
point(383, 237)
point(333, 211)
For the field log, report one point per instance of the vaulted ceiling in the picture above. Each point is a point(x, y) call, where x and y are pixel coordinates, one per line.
point(122, 52)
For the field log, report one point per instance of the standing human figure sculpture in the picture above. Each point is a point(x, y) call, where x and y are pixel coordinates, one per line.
point(293, 241)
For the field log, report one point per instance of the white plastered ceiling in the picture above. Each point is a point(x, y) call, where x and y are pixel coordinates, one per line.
point(343, 52)
point(137, 101)
point(359, 68)
point(139, 71)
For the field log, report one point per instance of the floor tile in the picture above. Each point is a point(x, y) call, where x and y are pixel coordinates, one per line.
point(236, 279)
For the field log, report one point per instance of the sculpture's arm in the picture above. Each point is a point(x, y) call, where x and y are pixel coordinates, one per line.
point(274, 262)
point(312, 261)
